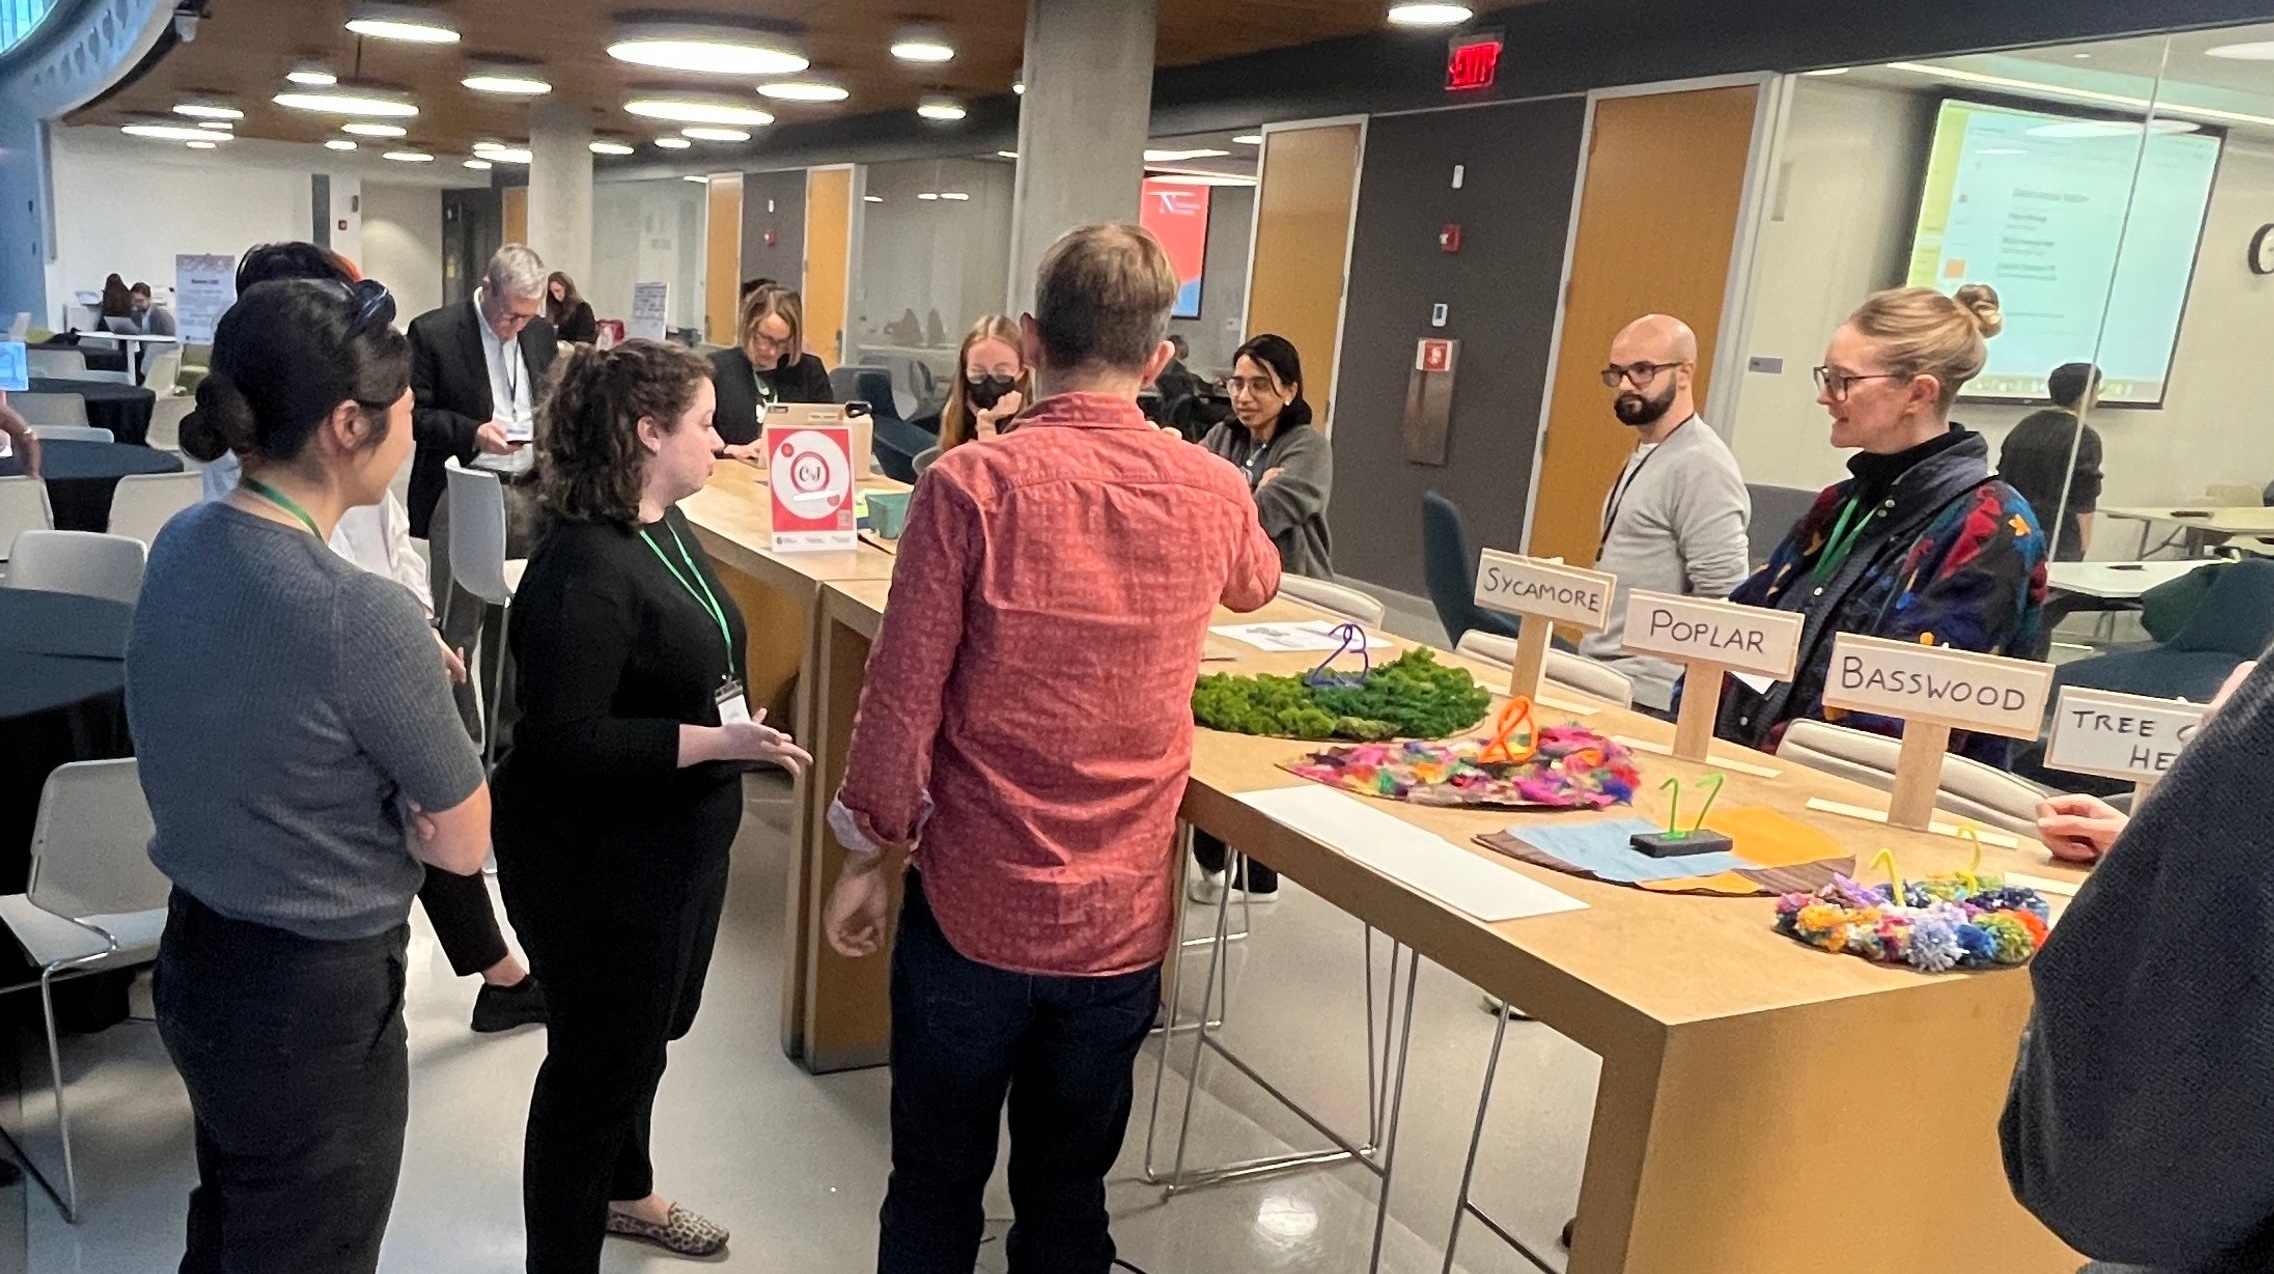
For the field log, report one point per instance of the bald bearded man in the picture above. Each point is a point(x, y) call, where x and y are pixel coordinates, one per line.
point(1675, 520)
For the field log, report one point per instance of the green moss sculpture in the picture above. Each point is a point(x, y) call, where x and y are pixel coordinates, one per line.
point(1411, 697)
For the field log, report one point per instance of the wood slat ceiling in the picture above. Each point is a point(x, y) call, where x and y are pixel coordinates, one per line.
point(244, 47)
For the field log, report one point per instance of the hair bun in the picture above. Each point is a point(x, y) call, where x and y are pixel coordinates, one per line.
point(1980, 301)
point(226, 414)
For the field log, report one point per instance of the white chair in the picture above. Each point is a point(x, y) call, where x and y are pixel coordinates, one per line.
point(142, 502)
point(1969, 789)
point(166, 417)
point(50, 409)
point(1349, 603)
point(23, 507)
point(478, 564)
point(1563, 670)
point(161, 370)
point(71, 433)
point(69, 364)
point(94, 902)
point(81, 562)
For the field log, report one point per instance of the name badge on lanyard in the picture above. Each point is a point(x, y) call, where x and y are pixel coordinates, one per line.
point(734, 705)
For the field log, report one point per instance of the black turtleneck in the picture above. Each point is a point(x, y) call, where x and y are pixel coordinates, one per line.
point(1876, 474)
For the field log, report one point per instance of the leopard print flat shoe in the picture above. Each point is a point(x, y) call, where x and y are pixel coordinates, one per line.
point(685, 1234)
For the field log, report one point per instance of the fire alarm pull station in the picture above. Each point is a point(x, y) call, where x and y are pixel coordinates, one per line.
point(1449, 238)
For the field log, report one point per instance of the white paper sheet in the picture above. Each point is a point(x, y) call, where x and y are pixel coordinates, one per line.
point(1427, 862)
point(1305, 635)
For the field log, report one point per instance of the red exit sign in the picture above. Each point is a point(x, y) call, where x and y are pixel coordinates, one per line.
point(1473, 63)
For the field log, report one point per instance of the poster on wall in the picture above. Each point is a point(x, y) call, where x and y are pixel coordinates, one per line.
point(650, 306)
point(205, 286)
point(1177, 214)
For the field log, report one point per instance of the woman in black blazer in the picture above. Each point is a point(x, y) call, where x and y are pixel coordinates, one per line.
point(770, 366)
point(570, 312)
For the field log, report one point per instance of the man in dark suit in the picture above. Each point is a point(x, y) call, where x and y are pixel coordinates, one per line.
point(477, 378)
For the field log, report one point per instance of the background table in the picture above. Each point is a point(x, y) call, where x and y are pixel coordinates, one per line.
point(82, 475)
point(2199, 525)
point(100, 358)
point(123, 409)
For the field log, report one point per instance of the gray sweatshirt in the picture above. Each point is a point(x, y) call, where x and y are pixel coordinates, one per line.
point(1292, 506)
point(1676, 518)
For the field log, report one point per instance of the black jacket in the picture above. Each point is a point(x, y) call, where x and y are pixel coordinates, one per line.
point(450, 394)
point(804, 381)
point(580, 328)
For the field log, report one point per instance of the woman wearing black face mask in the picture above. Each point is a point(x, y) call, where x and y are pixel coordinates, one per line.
point(991, 387)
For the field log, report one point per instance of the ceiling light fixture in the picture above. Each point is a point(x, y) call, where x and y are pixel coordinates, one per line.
point(803, 91)
point(956, 195)
point(673, 143)
point(706, 48)
point(922, 44)
point(173, 133)
point(1248, 139)
point(697, 178)
point(373, 130)
point(407, 23)
point(2255, 51)
point(944, 109)
point(339, 143)
point(1018, 86)
point(478, 165)
point(1200, 179)
point(1179, 156)
point(710, 134)
point(312, 75)
point(872, 198)
point(505, 154)
point(693, 110)
point(508, 81)
point(216, 125)
point(1429, 15)
point(607, 146)
point(1828, 71)
point(351, 100)
point(409, 156)
point(200, 145)
point(929, 195)
point(208, 110)
point(1006, 154)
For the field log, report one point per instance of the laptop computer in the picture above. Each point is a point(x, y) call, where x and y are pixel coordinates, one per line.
point(121, 326)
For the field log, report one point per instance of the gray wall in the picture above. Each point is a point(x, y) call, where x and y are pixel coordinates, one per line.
point(774, 201)
point(1514, 207)
point(1224, 291)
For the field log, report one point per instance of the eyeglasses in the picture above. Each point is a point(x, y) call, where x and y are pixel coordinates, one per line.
point(1838, 384)
point(1640, 374)
point(374, 306)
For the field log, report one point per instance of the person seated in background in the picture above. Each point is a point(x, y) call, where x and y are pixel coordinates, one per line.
point(23, 445)
point(118, 300)
point(2053, 458)
point(991, 385)
point(1923, 544)
point(377, 538)
point(568, 311)
point(1289, 468)
point(769, 365)
point(1023, 741)
point(1177, 380)
point(2135, 1125)
point(1674, 521)
point(150, 319)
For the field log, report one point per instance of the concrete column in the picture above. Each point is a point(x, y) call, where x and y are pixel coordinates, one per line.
point(1082, 124)
point(560, 187)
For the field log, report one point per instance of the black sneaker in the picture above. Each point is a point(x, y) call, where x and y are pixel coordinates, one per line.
point(502, 1008)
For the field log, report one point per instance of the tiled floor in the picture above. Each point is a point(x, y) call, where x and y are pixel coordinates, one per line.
point(796, 1165)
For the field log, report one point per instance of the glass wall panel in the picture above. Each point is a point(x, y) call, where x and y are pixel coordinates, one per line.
point(648, 232)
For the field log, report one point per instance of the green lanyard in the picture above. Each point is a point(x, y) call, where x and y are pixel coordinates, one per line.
point(280, 500)
point(766, 390)
point(703, 598)
point(1843, 542)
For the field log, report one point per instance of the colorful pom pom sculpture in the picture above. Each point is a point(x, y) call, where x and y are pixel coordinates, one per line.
point(1961, 920)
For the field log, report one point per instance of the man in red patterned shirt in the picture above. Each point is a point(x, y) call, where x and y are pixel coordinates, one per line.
point(1024, 739)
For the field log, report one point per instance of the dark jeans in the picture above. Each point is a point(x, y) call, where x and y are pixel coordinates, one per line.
point(1212, 856)
point(965, 1035)
point(298, 1072)
point(471, 625)
point(464, 922)
point(624, 958)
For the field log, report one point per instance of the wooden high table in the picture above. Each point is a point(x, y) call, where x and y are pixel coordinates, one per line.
point(1763, 1107)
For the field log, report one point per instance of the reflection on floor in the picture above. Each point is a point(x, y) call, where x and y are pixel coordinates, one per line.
point(795, 1166)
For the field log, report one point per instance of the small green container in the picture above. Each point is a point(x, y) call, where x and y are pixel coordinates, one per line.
point(888, 510)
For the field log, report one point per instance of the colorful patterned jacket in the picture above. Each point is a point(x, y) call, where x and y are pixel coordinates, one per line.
point(1952, 556)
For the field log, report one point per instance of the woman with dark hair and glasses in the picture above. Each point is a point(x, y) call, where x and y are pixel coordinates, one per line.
point(303, 763)
point(623, 791)
point(1923, 544)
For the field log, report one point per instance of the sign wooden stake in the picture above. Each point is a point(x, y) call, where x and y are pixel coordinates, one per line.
point(1533, 634)
point(1709, 639)
point(1701, 703)
point(1918, 775)
point(1542, 595)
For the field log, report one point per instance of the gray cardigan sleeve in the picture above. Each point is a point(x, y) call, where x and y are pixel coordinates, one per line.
point(1711, 511)
point(1299, 494)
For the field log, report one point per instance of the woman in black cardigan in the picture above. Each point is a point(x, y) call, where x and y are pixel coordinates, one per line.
point(623, 791)
point(570, 313)
point(770, 366)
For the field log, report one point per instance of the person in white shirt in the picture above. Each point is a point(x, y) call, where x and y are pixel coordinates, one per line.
point(1675, 520)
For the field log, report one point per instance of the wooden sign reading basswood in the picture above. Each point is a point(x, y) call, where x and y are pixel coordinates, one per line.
point(1710, 638)
point(1543, 594)
point(2120, 736)
point(1933, 690)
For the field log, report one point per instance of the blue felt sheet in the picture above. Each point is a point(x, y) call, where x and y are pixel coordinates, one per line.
point(1603, 850)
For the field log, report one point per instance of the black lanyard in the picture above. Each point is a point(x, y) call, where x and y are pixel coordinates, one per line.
point(1626, 484)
